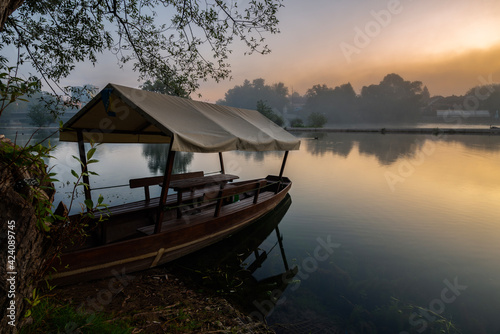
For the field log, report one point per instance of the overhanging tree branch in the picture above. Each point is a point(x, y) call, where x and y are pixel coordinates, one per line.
point(58, 34)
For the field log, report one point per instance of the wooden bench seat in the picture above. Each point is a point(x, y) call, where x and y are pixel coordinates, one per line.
point(206, 215)
point(146, 182)
point(150, 203)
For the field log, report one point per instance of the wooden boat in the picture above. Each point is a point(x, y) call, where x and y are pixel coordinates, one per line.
point(201, 210)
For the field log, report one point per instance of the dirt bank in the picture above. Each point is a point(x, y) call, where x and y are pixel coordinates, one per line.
point(159, 301)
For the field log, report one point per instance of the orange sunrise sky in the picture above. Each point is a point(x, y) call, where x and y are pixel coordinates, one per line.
point(450, 46)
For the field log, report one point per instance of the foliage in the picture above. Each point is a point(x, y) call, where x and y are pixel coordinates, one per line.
point(193, 45)
point(60, 230)
point(13, 88)
point(316, 120)
point(487, 97)
point(83, 93)
point(31, 159)
point(184, 323)
point(248, 94)
point(297, 123)
point(269, 113)
point(338, 103)
point(39, 115)
point(49, 316)
point(18, 94)
point(165, 87)
point(392, 100)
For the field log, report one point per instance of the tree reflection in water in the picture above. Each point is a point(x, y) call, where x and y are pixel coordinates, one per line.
point(156, 155)
point(387, 148)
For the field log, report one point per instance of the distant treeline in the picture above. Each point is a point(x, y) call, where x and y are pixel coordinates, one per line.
point(393, 100)
point(43, 108)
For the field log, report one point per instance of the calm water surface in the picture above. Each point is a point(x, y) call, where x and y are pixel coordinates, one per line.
point(388, 233)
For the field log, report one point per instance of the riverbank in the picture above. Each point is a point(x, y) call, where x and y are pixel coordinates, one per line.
point(431, 131)
point(159, 300)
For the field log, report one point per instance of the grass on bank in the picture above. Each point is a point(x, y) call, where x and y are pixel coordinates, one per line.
point(50, 317)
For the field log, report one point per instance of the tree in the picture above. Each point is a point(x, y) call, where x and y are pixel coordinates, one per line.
point(487, 97)
point(164, 87)
point(7, 7)
point(248, 94)
point(392, 100)
point(338, 103)
point(297, 123)
point(269, 113)
point(84, 93)
point(317, 120)
point(52, 36)
point(12, 88)
point(39, 116)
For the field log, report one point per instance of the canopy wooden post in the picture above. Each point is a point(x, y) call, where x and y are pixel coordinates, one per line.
point(165, 185)
point(83, 159)
point(222, 171)
point(278, 186)
point(283, 164)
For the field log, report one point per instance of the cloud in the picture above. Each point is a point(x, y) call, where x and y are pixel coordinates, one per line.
point(449, 74)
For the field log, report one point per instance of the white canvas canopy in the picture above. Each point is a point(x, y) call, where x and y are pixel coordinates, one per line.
point(121, 114)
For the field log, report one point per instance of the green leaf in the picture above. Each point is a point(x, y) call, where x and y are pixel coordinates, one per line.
point(75, 174)
point(89, 204)
point(58, 217)
point(90, 153)
point(45, 227)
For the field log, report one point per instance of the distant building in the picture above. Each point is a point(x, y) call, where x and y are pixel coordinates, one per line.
point(463, 113)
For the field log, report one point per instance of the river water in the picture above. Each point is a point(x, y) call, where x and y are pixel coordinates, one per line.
point(390, 233)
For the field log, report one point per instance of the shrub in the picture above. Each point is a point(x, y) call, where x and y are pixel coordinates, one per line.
point(317, 120)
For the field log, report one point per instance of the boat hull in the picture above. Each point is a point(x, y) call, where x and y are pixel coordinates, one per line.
point(125, 257)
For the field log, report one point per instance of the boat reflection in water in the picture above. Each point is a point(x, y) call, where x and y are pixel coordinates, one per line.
point(228, 267)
